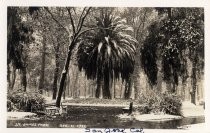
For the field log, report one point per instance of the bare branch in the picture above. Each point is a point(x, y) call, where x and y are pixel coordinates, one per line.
point(82, 32)
point(82, 20)
point(74, 11)
point(71, 19)
point(46, 8)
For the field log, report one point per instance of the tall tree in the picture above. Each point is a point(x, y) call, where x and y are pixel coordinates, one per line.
point(41, 24)
point(139, 19)
point(180, 36)
point(57, 66)
point(77, 30)
point(19, 36)
point(54, 42)
point(107, 52)
point(42, 72)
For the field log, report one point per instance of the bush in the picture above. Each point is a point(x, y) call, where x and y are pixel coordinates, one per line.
point(171, 104)
point(156, 102)
point(11, 106)
point(25, 101)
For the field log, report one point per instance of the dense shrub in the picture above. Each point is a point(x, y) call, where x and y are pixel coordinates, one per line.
point(156, 102)
point(25, 101)
point(11, 106)
point(171, 104)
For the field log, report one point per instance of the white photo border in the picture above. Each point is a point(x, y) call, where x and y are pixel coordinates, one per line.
point(95, 3)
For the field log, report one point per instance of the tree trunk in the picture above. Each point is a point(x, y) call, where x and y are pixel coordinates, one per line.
point(93, 91)
point(159, 74)
point(136, 76)
point(136, 83)
point(194, 84)
point(23, 79)
point(75, 87)
point(13, 78)
point(128, 89)
point(64, 73)
point(106, 85)
point(68, 86)
point(121, 90)
point(41, 80)
point(62, 81)
point(8, 77)
point(114, 85)
point(99, 88)
point(56, 72)
point(64, 92)
point(72, 43)
point(169, 10)
point(85, 89)
point(174, 89)
point(138, 34)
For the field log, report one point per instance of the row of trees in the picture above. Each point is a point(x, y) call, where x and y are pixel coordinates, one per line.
point(108, 45)
point(176, 41)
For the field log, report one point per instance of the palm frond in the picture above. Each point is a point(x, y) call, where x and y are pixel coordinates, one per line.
point(112, 49)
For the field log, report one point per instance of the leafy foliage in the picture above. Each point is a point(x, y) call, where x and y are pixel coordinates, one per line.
point(161, 103)
point(176, 37)
point(25, 101)
point(18, 34)
point(171, 104)
point(148, 54)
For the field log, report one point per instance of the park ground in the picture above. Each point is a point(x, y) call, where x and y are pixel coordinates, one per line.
point(188, 110)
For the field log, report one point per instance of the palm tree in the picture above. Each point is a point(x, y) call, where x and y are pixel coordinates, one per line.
point(107, 52)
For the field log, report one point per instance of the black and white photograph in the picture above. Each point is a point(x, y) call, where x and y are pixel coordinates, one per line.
point(105, 69)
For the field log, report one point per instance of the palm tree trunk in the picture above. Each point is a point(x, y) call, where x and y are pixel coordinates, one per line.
point(135, 77)
point(112, 87)
point(93, 91)
point(128, 88)
point(136, 88)
point(121, 90)
point(107, 84)
point(99, 88)
point(85, 89)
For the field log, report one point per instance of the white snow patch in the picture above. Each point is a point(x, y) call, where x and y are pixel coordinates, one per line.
point(159, 117)
point(149, 117)
point(200, 127)
point(19, 115)
point(189, 110)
